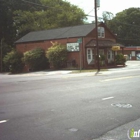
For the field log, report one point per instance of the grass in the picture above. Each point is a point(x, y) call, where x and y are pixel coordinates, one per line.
point(91, 70)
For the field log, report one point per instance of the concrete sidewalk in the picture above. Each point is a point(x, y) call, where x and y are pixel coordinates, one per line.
point(40, 73)
point(47, 72)
point(129, 65)
point(122, 132)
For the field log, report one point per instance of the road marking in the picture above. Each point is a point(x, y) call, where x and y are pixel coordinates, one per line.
point(119, 78)
point(73, 129)
point(3, 121)
point(107, 98)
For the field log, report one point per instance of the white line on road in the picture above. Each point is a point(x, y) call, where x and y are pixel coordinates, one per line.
point(3, 121)
point(107, 98)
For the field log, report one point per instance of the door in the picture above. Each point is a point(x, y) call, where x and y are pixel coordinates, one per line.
point(90, 56)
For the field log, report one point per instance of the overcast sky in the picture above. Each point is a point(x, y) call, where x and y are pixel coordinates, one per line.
point(113, 6)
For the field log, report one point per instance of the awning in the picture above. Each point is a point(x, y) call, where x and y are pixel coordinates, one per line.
point(103, 43)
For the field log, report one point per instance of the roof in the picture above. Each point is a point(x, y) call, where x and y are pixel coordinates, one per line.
point(58, 33)
point(103, 43)
point(133, 48)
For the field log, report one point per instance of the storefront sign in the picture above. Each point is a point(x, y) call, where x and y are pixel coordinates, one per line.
point(73, 47)
point(79, 40)
point(115, 48)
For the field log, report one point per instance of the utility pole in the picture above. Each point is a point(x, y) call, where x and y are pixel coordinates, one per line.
point(96, 28)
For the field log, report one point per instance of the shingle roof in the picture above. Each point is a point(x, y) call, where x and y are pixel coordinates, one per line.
point(59, 33)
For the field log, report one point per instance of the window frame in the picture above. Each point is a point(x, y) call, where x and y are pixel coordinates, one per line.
point(101, 32)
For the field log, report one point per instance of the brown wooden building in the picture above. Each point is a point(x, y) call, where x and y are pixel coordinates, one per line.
point(84, 53)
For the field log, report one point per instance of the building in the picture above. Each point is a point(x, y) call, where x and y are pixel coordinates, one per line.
point(82, 54)
point(132, 52)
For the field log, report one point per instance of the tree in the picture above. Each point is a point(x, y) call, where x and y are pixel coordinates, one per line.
point(107, 16)
point(36, 59)
point(8, 30)
point(53, 14)
point(13, 61)
point(120, 59)
point(4, 49)
point(126, 25)
point(57, 55)
point(18, 17)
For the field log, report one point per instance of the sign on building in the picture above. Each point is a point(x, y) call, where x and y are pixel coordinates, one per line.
point(73, 47)
point(79, 40)
point(115, 48)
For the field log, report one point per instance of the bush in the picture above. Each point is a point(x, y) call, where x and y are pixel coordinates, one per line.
point(57, 55)
point(36, 59)
point(13, 61)
point(120, 59)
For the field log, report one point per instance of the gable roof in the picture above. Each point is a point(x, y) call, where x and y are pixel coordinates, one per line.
point(59, 33)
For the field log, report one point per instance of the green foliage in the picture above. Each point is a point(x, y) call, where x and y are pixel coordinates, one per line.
point(102, 57)
point(36, 59)
point(57, 55)
point(8, 28)
point(107, 16)
point(4, 49)
point(126, 25)
point(13, 61)
point(20, 17)
point(58, 14)
point(120, 59)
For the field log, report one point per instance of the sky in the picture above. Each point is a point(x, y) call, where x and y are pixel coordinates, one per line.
point(113, 6)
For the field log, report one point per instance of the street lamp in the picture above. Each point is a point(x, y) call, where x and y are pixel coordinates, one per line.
point(96, 30)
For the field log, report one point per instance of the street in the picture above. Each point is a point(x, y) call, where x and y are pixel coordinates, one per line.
point(83, 106)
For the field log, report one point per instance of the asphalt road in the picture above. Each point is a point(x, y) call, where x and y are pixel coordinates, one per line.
point(71, 106)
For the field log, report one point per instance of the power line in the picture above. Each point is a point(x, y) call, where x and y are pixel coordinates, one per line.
point(40, 5)
point(34, 3)
point(90, 11)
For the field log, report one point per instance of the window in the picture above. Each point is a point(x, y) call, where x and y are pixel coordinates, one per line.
point(101, 32)
point(112, 55)
point(93, 54)
point(89, 54)
point(109, 56)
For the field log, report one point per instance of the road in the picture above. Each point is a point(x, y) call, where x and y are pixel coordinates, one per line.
point(70, 106)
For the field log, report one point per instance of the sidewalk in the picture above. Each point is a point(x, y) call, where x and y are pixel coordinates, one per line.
point(123, 132)
point(48, 72)
point(129, 65)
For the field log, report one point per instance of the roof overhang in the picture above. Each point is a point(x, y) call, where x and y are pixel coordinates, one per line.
point(133, 48)
point(103, 43)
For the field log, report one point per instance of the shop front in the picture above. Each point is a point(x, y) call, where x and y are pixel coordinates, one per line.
point(108, 49)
